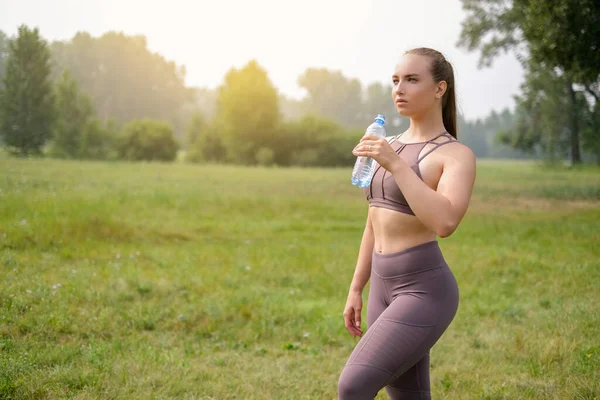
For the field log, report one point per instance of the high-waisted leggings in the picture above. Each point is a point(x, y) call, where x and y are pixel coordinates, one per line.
point(413, 298)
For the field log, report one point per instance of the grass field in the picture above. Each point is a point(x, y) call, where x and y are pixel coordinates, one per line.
point(173, 281)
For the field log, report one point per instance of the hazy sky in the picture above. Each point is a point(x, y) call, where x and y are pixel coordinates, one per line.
point(364, 39)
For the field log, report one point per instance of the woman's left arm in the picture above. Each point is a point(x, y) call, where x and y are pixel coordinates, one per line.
point(440, 210)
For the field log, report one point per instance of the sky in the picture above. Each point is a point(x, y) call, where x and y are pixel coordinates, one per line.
point(362, 39)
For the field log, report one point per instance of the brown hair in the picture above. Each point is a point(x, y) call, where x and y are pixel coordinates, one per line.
point(441, 70)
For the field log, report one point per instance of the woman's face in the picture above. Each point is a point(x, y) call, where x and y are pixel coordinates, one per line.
point(414, 91)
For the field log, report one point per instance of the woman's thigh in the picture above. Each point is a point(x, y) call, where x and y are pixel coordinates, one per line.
point(394, 342)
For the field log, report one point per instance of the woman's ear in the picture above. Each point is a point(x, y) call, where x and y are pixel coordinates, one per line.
point(440, 89)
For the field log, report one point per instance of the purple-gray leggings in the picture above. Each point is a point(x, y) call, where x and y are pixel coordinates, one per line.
point(413, 298)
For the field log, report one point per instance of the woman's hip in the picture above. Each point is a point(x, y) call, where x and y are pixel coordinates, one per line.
point(417, 259)
point(420, 271)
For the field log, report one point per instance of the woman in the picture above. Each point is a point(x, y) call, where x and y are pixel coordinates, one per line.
point(420, 190)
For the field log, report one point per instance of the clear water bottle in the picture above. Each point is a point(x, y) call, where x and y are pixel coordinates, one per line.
point(364, 166)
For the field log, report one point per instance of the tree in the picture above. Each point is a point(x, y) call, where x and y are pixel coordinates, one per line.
point(203, 140)
point(541, 120)
point(26, 105)
point(195, 128)
point(562, 36)
point(248, 109)
point(292, 109)
point(474, 135)
point(4, 52)
point(74, 108)
point(591, 132)
point(334, 96)
point(4, 41)
point(122, 77)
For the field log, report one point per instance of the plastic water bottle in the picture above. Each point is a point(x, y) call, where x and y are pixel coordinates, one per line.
point(364, 166)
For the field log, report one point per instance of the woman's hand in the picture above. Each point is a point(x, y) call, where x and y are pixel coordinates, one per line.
point(352, 313)
point(380, 150)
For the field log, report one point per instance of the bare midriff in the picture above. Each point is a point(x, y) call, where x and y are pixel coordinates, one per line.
point(394, 231)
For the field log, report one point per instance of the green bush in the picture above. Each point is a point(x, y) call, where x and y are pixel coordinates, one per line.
point(305, 158)
point(148, 140)
point(97, 142)
point(265, 156)
point(316, 141)
point(207, 146)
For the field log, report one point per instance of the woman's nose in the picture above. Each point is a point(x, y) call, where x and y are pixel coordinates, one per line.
point(399, 88)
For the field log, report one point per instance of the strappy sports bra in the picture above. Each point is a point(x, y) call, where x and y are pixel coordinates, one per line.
point(383, 190)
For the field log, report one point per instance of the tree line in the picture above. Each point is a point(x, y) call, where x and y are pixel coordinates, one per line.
point(110, 98)
point(558, 44)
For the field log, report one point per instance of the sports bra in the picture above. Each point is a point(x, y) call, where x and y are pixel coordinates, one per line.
point(383, 190)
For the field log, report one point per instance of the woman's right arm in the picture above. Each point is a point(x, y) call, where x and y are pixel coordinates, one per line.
point(352, 310)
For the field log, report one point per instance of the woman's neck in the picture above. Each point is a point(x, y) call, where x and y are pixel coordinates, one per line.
point(425, 126)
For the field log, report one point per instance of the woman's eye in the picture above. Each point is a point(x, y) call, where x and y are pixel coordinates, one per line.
point(395, 81)
point(412, 79)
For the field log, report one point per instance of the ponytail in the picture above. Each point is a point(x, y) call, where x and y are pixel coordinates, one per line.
point(449, 108)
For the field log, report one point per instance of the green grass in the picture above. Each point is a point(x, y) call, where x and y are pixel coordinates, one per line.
point(218, 282)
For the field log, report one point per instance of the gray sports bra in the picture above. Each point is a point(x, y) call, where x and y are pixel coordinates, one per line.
point(383, 191)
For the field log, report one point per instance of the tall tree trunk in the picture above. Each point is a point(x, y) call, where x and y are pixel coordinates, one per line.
point(574, 122)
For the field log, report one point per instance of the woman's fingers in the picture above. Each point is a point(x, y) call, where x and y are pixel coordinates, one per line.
point(368, 146)
point(356, 321)
point(363, 148)
point(350, 323)
point(348, 320)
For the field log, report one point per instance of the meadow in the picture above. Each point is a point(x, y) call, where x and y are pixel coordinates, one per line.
point(176, 281)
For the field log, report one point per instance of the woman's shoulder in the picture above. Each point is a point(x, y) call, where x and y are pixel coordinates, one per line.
point(448, 145)
point(457, 151)
point(458, 146)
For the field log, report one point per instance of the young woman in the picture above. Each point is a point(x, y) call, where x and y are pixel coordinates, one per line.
point(421, 189)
